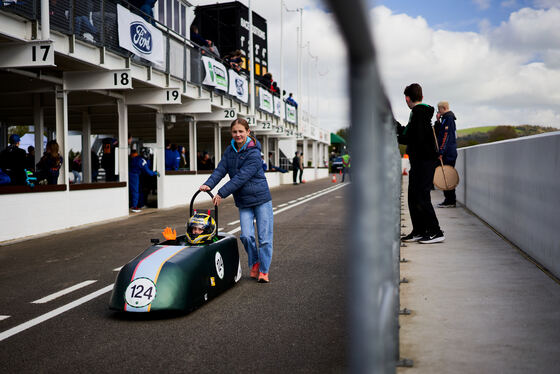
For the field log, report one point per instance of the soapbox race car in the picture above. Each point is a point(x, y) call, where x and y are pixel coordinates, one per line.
point(177, 276)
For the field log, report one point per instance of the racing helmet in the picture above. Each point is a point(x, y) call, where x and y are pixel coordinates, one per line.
point(204, 222)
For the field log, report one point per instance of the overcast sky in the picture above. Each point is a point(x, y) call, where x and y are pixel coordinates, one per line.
point(497, 62)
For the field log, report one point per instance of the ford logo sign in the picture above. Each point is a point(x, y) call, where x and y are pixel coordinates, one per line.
point(141, 37)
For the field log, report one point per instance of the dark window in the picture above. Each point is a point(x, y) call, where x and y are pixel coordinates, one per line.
point(183, 20)
point(169, 19)
point(161, 11)
point(176, 25)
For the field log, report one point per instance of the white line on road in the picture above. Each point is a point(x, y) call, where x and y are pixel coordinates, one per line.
point(65, 291)
point(291, 202)
point(324, 192)
point(234, 230)
point(233, 223)
point(117, 269)
point(282, 205)
point(4, 317)
point(321, 193)
point(35, 321)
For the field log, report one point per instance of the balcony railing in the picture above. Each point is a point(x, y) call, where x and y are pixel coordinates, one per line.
point(96, 22)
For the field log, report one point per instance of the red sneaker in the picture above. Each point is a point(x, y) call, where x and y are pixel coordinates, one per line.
point(255, 271)
point(263, 278)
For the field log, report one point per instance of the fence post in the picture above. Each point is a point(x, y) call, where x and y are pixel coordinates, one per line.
point(373, 260)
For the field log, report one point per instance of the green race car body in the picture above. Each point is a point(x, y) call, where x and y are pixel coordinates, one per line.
point(175, 275)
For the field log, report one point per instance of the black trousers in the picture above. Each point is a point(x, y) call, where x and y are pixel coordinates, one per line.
point(295, 171)
point(422, 212)
point(450, 197)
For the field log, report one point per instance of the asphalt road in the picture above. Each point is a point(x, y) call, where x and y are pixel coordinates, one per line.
point(294, 324)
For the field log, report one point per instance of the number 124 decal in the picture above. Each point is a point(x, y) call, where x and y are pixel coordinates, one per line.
point(140, 292)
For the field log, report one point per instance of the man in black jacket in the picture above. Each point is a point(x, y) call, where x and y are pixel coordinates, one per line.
point(12, 161)
point(423, 153)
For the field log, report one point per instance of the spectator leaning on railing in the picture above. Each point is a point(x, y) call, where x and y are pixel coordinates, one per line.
point(267, 81)
point(234, 59)
point(213, 49)
point(290, 100)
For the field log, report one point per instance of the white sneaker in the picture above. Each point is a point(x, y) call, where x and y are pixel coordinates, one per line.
point(87, 36)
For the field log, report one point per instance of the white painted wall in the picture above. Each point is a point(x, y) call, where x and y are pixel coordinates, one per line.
point(179, 189)
point(29, 214)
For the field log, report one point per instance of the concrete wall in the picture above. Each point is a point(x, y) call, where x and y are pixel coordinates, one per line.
point(514, 186)
point(36, 213)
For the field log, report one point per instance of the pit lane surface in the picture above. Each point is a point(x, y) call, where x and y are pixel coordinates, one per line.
point(294, 324)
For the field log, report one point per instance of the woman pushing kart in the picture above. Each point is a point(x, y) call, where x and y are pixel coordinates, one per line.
point(242, 162)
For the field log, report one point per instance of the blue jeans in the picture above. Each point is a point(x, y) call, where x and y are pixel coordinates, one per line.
point(344, 171)
point(265, 223)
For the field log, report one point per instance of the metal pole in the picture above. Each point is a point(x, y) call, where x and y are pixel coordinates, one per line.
point(308, 93)
point(251, 61)
point(317, 88)
point(300, 42)
point(45, 20)
point(373, 288)
point(281, 61)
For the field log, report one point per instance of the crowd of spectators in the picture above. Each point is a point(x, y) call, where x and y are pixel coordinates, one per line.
point(270, 84)
point(234, 60)
point(17, 167)
point(176, 158)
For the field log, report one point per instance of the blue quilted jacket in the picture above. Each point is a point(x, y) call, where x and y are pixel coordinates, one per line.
point(247, 181)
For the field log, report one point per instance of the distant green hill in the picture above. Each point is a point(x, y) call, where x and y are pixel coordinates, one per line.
point(487, 134)
point(472, 130)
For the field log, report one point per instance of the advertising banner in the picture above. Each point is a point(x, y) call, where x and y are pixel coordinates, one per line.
point(277, 106)
point(215, 74)
point(139, 37)
point(238, 86)
point(266, 102)
point(290, 113)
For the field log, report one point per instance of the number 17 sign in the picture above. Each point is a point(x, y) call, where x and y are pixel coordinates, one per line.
point(13, 55)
